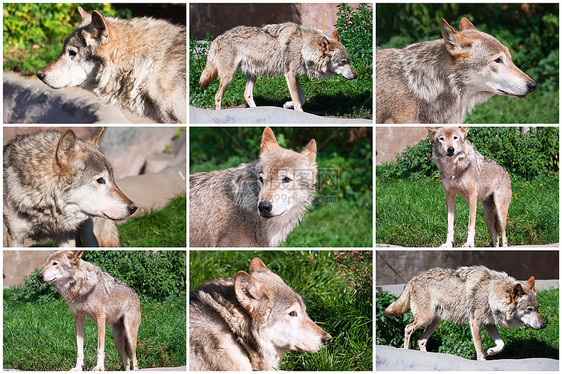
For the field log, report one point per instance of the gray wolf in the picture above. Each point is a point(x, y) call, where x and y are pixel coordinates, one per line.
point(439, 81)
point(59, 187)
point(475, 295)
point(89, 291)
point(285, 48)
point(476, 178)
point(255, 204)
point(138, 64)
point(249, 322)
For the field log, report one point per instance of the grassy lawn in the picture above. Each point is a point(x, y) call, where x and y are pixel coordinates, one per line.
point(412, 213)
point(341, 307)
point(521, 342)
point(538, 107)
point(40, 336)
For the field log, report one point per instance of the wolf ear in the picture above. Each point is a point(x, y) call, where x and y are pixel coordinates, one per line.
point(74, 257)
point(257, 265)
point(464, 130)
point(86, 17)
point(67, 149)
point(268, 141)
point(456, 44)
point(310, 151)
point(516, 293)
point(249, 291)
point(98, 30)
point(431, 130)
point(531, 283)
point(336, 36)
point(466, 25)
point(95, 138)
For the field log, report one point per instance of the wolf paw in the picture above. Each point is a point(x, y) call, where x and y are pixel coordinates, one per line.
point(446, 245)
point(289, 105)
point(98, 368)
point(468, 245)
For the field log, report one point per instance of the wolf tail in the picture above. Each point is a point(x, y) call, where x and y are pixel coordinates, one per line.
point(210, 72)
point(400, 305)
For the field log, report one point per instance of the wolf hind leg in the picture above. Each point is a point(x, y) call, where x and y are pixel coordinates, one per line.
point(121, 343)
point(419, 322)
point(226, 76)
point(490, 216)
point(249, 91)
point(429, 330)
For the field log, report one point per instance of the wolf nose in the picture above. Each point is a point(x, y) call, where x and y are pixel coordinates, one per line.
point(450, 151)
point(265, 207)
point(40, 74)
point(40, 277)
point(132, 209)
point(326, 338)
point(531, 86)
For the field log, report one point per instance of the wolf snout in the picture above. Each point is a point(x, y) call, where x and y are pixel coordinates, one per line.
point(531, 86)
point(265, 208)
point(41, 278)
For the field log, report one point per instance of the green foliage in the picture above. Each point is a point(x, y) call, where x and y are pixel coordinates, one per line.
point(34, 33)
point(336, 299)
point(156, 275)
point(527, 155)
point(323, 96)
point(456, 339)
point(160, 228)
point(355, 28)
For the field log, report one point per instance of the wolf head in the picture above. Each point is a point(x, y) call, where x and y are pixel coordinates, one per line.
point(90, 185)
point(448, 141)
point(523, 299)
point(484, 62)
point(278, 313)
point(77, 65)
point(57, 266)
point(286, 178)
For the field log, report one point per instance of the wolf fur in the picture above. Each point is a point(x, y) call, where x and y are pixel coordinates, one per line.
point(89, 291)
point(249, 322)
point(59, 187)
point(440, 81)
point(255, 204)
point(476, 178)
point(286, 48)
point(475, 295)
point(138, 64)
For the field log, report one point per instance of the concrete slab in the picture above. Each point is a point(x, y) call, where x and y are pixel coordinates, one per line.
point(265, 115)
point(399, 359)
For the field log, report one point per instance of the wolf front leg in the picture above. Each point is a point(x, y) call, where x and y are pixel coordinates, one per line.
point(79, 320)
point(475, 329)
point(100, 322)
point(450, 203)
point(295, 90)
point(494, 334)
point(472, 204)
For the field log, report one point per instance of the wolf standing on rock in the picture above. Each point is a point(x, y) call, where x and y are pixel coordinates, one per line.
point(440, 81)
point(138, 64)
point(285, 48)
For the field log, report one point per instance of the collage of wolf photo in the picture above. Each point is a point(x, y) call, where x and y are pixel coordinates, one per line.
point(297, 248)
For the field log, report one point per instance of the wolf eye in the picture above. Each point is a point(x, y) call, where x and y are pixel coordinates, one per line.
point(55, 263)
point(286, 180)
point(72, 53)
point(498, 60)
point(455, 137)
point(293, 313)
point(100, 180)
point(260, 179)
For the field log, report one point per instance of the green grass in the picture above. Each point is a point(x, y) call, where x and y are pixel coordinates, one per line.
point(521, 342)
point(538, 107)
point(160, 228)
point(326, 226)
point(342, 308)
point(40, 336)
point(412, 213)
